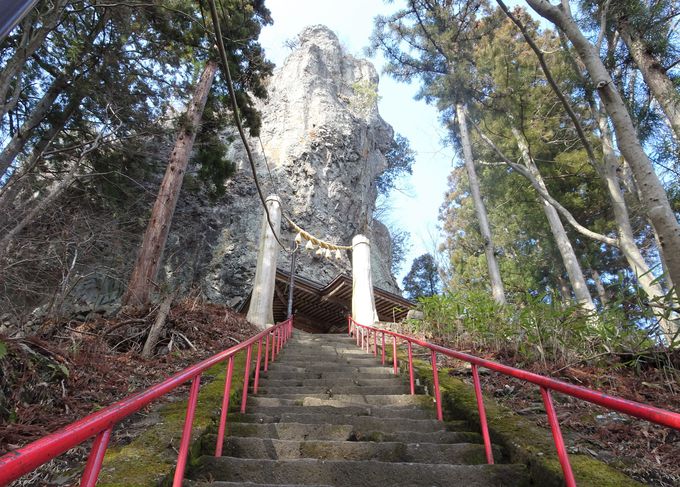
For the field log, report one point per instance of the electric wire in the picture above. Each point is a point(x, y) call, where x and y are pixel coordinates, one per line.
point(237, 117)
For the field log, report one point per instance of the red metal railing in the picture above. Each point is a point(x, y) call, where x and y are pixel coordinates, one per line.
point(100, 424)
point(643, 411)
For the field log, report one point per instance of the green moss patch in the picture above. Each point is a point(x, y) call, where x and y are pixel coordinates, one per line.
point(150, 458)
point(523, 441)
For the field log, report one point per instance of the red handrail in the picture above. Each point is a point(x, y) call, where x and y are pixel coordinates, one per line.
point(653, 414)
point(100, 424)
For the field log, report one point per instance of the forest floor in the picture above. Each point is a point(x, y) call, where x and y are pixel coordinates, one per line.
point(646, 452)
point(66, 370)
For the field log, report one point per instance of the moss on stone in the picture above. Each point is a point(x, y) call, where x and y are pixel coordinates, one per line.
point(523, 441)
point(150, 458)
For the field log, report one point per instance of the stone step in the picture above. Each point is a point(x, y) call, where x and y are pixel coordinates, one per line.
point(342, 368)
point(293, 431)
point(330, 382)
point(365, 423)
point(337, 362)
point(298, 373)
point(349, 348)
point(339, 400)
point(347, 432)
point(331, 391)
point(370, 399)
point(458, 453)
point(370, 411)
point(358, 473)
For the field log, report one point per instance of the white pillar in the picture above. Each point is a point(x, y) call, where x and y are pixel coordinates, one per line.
point(260, 312)
point(363, 301)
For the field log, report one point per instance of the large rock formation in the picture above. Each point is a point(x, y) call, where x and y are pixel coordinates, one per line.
point(323, 140)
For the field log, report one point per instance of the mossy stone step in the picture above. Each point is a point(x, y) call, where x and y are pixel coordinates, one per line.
point(302, 368)
point(292, 431)
point(365, 423)
point(246, 447)
point(369, 473)
point(370, 411)
point(328, 382)
point(332, 390)
point(281, 372)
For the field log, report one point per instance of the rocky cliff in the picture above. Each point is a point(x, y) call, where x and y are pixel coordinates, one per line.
point(323, 141)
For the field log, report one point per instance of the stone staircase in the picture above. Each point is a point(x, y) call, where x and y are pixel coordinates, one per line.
point(327, 413)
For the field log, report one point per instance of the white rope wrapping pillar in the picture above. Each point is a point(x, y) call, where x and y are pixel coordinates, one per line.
point(261, 312)
point(363, 301)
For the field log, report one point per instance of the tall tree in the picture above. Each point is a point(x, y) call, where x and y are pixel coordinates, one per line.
point(152, 247)
point(423, 279)
point(432, 42)
point(247, 58)
point(653, 194)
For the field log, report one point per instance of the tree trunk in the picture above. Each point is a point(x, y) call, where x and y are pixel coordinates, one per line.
point(157, 326)
point(627, 244)
point(601, 292)
point(156, 235)
point(654, 197)
point(655, 76)
point(18, 141)
point(497, 289)
point(565, 291)
point(31, 40)
point(15, 184)
point(571, 264)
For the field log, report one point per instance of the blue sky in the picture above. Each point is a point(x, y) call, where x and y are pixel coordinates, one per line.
point(415, 209)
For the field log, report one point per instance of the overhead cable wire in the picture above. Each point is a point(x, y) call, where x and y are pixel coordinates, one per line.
point(301, 233)
point(237, 117)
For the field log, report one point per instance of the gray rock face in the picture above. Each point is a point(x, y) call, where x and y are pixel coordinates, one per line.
point(323, 140)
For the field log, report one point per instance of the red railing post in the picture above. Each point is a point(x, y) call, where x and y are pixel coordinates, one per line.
point(367, 339)
point(437, 392)
point(383, 348)
point(266, 352)
point(557, 437)
point(274, 344)
point(246, 378)
point(394, 354)
point(94, 461)
point(225, 407)
point(482, 415)
point(375, 342)
point(410, 368)
point(186, 432)
point(280, 342)
point(257, 366)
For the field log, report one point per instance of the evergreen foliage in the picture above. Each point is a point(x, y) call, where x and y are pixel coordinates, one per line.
point(423, 278)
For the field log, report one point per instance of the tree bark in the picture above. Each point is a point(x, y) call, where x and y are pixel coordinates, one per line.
point(654, 197)
point(627, 244)
point(571, 264)
point(601, 292)
point(156, 235)
point(31, 40)
point(157, 326)
point(15, 184)
point(497, 289)
point(655, 76)
point(18, 141)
